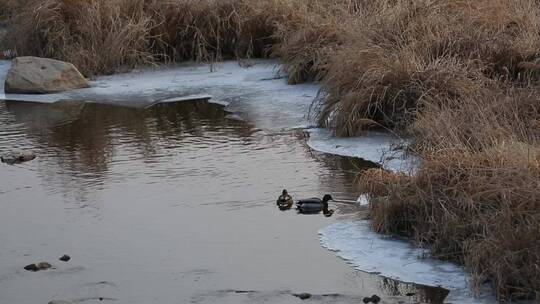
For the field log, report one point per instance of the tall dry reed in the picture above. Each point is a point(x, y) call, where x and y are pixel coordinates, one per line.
point(476, 197)
point(105, 36)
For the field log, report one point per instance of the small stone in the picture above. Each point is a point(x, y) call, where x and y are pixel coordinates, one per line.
point(16, 157)
point(65, 258)
point(59, 302)
point(375, 299)
point(43, 265)
point(303, 296)
point(244, 291)
point(31, 267)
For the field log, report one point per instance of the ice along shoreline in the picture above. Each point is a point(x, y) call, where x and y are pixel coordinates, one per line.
point(258, 93)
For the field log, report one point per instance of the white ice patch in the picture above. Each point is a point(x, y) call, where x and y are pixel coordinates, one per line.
point(397, 259)
point(372, 146)
point(363, 200)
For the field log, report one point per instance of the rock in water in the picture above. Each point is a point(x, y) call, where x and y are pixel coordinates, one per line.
point(65, 258)
point(303, 296)
point(373, 299)
point(18, 157)
point(34, 75)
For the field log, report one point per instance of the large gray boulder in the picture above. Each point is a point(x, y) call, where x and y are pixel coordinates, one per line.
point(34, 75)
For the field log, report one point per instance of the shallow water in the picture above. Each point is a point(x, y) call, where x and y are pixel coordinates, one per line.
point(171, 204)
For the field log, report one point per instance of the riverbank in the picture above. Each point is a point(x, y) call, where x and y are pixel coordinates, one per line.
point(462, 77)
point(257, 93)
point(119, 189)
point(250, 93)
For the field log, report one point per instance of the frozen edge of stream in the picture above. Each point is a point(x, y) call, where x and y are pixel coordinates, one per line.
point(356, 243)
point(258, 93)
point(261, 95)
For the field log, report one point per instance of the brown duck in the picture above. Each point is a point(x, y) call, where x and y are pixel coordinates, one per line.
point(284, 201)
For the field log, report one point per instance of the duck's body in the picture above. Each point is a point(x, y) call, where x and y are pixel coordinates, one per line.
point(314, 205)
point(309, 205)
point(284, 201)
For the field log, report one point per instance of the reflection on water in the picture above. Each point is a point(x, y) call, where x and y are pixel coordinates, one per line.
point(171, 190)
point(39, 116)
point(78, 143)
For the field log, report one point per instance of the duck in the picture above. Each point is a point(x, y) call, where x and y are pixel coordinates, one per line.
point(284, 201)
point(315, 205)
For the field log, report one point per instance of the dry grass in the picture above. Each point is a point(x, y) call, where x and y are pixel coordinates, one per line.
point(105, 36)
point(480, 209)
point(97, 36)
point(406, 54)
point(461, 76)
point(7, 8)
point(476, 197)
point(102, 36)
point(376, 181)
point(307, 43)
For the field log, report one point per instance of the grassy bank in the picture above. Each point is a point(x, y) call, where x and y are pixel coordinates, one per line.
point(103, 37)
point(460, 76)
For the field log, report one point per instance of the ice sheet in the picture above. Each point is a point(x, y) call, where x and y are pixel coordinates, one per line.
point(398, 259)
point(383, 148)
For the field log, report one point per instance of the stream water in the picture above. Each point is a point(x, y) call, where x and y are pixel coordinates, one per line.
point(171, 204)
